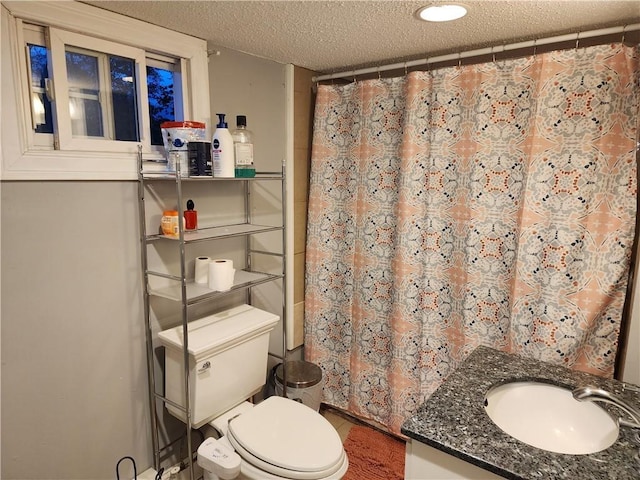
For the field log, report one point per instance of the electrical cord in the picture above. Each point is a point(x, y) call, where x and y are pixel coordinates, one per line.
point(161, 471)
point(135, 472)
point(159, 476)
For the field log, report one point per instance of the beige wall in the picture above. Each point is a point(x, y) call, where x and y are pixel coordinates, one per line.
point(631, 360)
point(304, 101)
point(74, 380)
point(242, 84)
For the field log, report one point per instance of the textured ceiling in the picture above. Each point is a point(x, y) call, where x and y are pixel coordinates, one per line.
point(328, 36)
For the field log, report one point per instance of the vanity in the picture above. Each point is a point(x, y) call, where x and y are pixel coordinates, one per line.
point(451, 436)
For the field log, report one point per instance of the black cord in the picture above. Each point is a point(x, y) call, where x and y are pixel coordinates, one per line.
point(135, 472)
point(159, 474)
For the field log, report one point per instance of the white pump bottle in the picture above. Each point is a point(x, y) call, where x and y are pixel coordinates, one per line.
point(222, 154)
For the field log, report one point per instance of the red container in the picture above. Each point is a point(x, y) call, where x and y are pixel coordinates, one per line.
point(190, 220)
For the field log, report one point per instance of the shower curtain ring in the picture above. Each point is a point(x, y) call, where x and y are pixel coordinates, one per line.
point(577, 39)
point(459, 59)
point(493, 54)
point(405, 69)
point(535, 46)
point(379, 77)
point(623, 33)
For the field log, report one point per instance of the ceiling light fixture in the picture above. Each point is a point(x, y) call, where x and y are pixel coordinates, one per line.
point(441, 13)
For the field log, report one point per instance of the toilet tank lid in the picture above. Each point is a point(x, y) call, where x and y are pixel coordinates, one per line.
point(219, 331)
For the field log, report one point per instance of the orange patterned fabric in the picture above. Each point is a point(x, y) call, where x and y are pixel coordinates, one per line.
point(485, 204)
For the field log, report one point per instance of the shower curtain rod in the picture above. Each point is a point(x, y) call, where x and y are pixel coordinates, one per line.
point(481, 51)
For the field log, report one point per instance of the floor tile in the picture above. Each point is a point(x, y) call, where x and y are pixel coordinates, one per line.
point(339, 422)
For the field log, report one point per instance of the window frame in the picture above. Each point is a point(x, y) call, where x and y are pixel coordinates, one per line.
point(59, 40)
point(27, 155)
point(177, 66)
point(31, 34)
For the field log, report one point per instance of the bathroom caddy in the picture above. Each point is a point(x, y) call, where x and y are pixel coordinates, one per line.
point(170, 295)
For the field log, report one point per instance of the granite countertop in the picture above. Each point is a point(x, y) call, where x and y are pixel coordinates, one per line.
point(454, 421)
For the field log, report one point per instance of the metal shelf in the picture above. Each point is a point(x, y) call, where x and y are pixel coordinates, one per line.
point(196, 292)
point(216, 233)
point(168, 176)
point(176, 287)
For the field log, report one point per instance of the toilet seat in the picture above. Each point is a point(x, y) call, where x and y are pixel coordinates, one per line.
point(289, 440)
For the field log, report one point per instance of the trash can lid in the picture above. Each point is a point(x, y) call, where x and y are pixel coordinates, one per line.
point(300, 374)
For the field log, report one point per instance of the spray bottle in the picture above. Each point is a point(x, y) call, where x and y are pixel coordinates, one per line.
point(190, 216)
point(222, 150)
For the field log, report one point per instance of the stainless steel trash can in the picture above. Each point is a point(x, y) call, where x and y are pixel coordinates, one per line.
point(304, 382)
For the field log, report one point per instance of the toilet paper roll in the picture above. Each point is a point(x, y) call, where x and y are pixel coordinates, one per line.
point(202, 270)
point(221, 273)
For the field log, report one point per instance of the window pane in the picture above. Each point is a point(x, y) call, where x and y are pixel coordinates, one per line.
point(123, 93)
point(161, 100)
point(84, 95)
point(99, 110)
point(39, 101)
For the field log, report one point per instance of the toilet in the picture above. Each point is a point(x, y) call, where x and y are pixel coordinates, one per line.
point(278, 438)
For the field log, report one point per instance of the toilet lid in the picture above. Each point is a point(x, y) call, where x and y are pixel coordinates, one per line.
point(286, 436)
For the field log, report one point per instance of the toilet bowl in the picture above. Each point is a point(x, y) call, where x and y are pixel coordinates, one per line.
point(278, 438)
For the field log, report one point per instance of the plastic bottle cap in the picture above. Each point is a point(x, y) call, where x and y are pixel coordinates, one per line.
point(241, 120)
point(190, 204)
point(221, 122)
point(170, 213)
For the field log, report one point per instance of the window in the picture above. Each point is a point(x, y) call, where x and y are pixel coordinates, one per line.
point(38, 78)
point(99, 100)
point(165, 99)
point(79, 93)
point(40, 104)
point(83, 74)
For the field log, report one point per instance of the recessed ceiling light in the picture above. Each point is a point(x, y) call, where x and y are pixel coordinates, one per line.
point(442, 13)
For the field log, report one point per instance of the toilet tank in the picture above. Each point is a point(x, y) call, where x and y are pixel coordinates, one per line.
point(227, 361)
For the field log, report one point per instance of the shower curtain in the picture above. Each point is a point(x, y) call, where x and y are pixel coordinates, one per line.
point(484, 204)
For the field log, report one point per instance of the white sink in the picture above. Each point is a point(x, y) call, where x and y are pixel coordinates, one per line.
point(548, 417)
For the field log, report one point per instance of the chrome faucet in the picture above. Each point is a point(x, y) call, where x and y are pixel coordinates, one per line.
point(594, 394)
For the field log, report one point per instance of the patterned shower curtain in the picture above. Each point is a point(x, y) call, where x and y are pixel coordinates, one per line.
point(485, 204)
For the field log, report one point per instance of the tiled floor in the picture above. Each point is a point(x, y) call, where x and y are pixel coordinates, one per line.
point(341, 423)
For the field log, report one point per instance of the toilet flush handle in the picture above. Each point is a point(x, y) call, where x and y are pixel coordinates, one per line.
point(204, 366)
